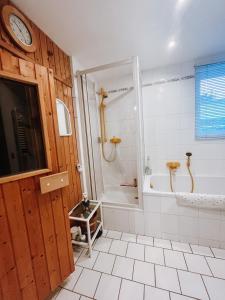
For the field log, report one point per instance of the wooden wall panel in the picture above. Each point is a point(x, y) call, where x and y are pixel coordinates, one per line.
point(35, 246)
point(17, 225)
point(35, 235)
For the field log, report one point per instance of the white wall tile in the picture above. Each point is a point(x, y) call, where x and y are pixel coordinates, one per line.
point(152, 224)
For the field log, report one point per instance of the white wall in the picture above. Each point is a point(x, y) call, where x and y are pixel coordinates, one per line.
point(169, 124)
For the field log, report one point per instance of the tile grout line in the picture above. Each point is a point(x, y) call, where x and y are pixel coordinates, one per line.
point(78, 278)
point(120, 288)
point(209, 267)
point(205, 286)
point(179, 282)
point(97, 285)
point(185, 262)
point(113, 265)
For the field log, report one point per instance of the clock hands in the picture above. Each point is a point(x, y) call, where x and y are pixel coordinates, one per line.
point(24, 35)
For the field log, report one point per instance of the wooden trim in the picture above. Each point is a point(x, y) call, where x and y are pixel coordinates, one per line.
point(23, 56)
point(38, 85)
point(14, 51)
point(44, 125)
point(53, 182)
point(19, 78)
point(7, 10)
point(23, 175)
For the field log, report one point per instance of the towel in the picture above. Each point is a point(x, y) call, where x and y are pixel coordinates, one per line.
point(201, 200)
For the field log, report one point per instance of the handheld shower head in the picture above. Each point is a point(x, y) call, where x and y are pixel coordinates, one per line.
point(188, 154)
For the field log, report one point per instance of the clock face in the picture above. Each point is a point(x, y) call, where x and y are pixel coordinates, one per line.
point(20, 30)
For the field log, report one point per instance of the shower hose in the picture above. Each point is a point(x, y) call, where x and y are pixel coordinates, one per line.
point(191, 176)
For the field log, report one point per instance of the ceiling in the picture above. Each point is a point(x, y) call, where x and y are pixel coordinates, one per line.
point(102, 31)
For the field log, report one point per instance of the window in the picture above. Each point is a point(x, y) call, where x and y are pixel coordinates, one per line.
point(210, 101)
point(22, 146)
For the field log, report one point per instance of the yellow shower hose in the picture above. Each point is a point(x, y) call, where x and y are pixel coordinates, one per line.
point(103, 138)
point(190, 173)
point(171, 180)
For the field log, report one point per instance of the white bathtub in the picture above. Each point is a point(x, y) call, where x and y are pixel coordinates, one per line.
point(165, 218)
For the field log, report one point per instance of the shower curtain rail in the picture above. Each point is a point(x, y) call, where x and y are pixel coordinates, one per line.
point(126, 89)
point(105, 67)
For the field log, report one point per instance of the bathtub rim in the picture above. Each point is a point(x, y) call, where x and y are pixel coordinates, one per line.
point(147, 190)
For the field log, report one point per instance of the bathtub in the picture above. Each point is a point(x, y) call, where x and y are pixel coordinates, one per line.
point(165, 217)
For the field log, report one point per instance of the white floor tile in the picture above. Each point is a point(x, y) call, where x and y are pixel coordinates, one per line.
point(118, 247)
point(129, 237)
point(152, 293)
point(202, 250)
point(67, 295)
point(217, 266)
point(215, 287)
point(154, 255)
point(104, 262)
point(179, 297)
point(197, 264)
point(175, 259)
point(86, 261)
point(87, 283)
point(135, 251)
point(123, 267)
point(184, 247)
point(219, 253)
point(131, 290)
point(192, 285)
point(144, 272)
point(114, 234)
point(70, 281)
point(85, 298)
point(162, 243)
point(103, 244)
point(145, 240)
point(166, 278)
point(108, 288)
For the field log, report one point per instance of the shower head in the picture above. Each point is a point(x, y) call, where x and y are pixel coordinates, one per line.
point(188, 154)
point(103, 93)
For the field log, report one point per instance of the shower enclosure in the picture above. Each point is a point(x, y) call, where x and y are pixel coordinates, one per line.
point(111, 114)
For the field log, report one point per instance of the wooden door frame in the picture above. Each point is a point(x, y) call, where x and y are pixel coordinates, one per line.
point(38, 85)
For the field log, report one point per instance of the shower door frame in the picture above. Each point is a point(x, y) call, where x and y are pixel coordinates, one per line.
point(89, 177)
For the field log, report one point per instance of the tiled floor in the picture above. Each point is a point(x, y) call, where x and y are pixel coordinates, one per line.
point(125, 266)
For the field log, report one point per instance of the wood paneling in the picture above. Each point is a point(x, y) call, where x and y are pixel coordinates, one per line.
point(35, 247)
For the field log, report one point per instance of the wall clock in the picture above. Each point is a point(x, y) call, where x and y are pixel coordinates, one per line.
point(19, 29)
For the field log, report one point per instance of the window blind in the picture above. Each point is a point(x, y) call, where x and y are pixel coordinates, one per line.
point(210, 101)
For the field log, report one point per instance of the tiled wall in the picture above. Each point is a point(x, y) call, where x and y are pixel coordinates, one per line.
point(164, 218)
point(169, 124)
